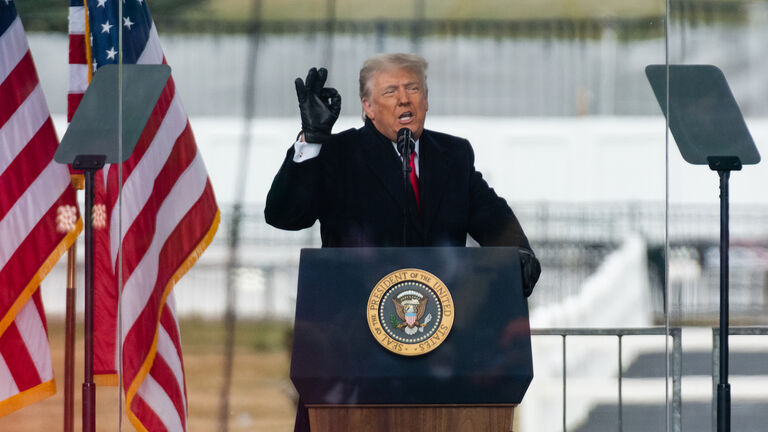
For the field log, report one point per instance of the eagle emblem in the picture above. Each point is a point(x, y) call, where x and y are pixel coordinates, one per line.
point(410, 307)
point(410, 312)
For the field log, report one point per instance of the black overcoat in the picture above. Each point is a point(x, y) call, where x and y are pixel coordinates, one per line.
point(354, 187)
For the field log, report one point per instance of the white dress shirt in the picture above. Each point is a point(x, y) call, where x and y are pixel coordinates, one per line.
point(304, 151)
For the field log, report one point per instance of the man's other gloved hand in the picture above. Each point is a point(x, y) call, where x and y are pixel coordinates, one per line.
point(320, 106)
point(530, 269)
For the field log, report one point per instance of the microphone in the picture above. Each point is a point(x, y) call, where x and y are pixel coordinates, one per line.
point(405, 147)
point(405, 141)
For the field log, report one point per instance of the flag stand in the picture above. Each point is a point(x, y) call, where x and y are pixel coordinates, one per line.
point(83, 145)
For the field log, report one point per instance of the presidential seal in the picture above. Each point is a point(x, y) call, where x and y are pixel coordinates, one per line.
point(410, 312)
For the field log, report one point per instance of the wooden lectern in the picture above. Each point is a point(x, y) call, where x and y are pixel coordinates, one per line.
point(385, 418)
point(468, 361)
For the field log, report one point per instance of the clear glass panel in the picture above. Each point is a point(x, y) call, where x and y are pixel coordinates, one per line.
point(563, 124)
point(729, 36)
point(588, 144)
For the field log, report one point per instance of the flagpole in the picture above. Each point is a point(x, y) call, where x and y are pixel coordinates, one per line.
point(69, 344)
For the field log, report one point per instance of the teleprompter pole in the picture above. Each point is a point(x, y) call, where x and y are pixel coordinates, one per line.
point(723, 388)
point(724, 165)
point(89, 164)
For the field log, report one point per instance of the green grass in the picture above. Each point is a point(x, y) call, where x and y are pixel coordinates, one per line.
point(232, 15)
point(434, 9)
point(260, 336)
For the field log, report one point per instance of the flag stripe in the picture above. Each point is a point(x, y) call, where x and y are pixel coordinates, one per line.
point(25, 168)
point(168, 346)
point(18, 358)
point(148, 135)
point(152, 53)
point(32, 348)
point(192, 227)
point(26, 285)
point(41, 311)
point(169, 319)
point(161, 404)
point(105, 303)
point(77, 50)
point(13, 46)
point(78, 78)
point(77, 20)
point(27, 211)
point(30, 323)
point(180, 239)
point(172, 353)
point(73, 101)
point(142, 412)
point(15, 89)
point(105, 308)
point(22, 126)
point(163, 375)
point(138, 410)
point(144, 302)
point(202, 215)
point(30, 261)
point(166, 102)
point(139, 235)
point(8, 386)
point(141, 284)
point(136, 186)
point(79, 65)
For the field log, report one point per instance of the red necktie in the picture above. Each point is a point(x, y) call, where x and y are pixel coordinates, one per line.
point(415, 181)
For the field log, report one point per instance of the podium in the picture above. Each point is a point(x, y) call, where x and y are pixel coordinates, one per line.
point(432, 339)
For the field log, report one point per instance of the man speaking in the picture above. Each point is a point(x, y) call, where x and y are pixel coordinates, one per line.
point(375, 186)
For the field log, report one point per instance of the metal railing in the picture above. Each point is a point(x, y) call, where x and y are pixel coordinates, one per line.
point(677, 363)
point(733, 331)
point(695, 225)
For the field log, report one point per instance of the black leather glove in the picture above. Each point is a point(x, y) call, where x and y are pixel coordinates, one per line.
point(320, 106)
point(530, 269)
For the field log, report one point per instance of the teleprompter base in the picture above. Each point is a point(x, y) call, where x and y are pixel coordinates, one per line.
point(432, 418)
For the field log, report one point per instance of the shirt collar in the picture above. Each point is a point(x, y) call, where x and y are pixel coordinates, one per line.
point(369, 123)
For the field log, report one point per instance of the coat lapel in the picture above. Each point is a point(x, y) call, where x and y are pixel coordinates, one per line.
point(434, 170)
point(383, 162)
point(382, 159)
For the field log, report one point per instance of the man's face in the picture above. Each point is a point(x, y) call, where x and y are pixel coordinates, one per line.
point(397, 100)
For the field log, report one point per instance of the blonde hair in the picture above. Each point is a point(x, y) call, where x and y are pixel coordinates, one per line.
point(381, 62)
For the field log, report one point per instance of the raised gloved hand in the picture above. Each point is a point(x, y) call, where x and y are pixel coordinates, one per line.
point(530, 269)
point(320, 106)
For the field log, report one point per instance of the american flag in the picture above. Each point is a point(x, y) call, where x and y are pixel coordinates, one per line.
point(169, 216)
point(38, 219)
